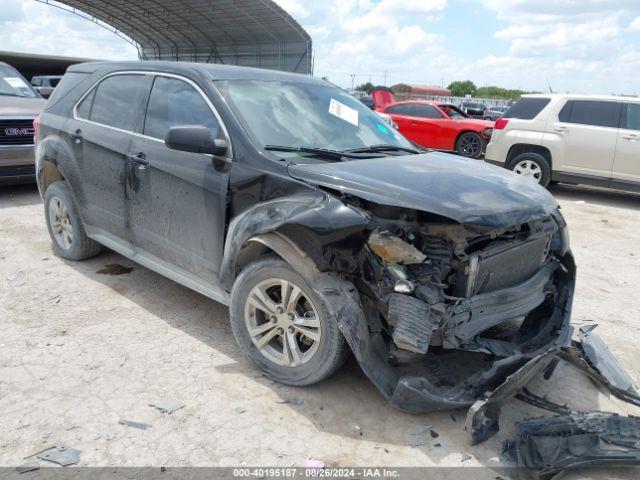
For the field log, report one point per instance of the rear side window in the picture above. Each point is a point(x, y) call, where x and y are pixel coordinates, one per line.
point(632, 120)
point(53, 82)
point(527, 108)
point(405, 109)
point(591, 112)
point(173, 103)
point(115, 99)
point(427, 111)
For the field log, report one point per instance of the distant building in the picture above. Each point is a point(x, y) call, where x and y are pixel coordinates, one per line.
point(407, 88)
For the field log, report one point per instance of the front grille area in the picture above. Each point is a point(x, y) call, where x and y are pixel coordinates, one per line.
point(16, 132)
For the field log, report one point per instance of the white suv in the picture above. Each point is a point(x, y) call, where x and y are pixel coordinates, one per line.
point(592, 140)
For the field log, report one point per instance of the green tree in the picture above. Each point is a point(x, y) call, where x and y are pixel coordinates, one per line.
point(365, 87)
point(462, 88)
point(498, 93)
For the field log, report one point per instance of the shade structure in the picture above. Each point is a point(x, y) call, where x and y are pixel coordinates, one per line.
point(254, 33)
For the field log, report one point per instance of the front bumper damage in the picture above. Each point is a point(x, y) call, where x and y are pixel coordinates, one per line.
point(425, 355)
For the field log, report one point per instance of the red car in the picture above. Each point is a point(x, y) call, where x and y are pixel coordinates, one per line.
point(440, 126)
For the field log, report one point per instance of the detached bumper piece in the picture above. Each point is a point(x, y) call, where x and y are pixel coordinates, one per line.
point(548, 446)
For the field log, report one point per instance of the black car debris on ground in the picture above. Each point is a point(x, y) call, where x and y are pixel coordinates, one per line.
point(325, 231)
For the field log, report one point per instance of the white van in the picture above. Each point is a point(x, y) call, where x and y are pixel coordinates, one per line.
point(586, 139)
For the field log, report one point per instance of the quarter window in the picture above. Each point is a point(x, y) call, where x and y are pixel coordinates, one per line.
point(174, 103)
point(116, 100)
point(633, 116)
point(527, 108)
point(427, 111)
point(591, 112)
point(84, 107)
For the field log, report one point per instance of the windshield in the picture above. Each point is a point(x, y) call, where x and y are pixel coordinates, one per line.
point(301, 114)
point(13, 85)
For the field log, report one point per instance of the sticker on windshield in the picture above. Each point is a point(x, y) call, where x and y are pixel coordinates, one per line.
point(15, 82)
point(343, 112)
point(383, 129)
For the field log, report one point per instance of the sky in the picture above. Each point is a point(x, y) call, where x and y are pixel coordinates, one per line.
point(582, 46)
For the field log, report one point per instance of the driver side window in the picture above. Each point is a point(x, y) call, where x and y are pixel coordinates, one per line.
point(174, 103)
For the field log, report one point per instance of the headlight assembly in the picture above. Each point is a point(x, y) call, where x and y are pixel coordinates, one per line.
point(392, 249)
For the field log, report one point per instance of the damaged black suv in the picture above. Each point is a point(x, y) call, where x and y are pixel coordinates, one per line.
point(322, 228)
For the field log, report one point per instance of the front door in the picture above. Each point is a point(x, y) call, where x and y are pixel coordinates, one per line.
point(588, 131)
point(101, 133)
point(177, 200)
point(626, 166)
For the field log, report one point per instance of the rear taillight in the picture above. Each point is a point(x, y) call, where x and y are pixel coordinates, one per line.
point(36, 127)
point(501, 124)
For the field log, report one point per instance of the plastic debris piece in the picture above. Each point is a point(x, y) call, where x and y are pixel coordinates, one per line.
point(465, 457)
point(292, 401)
point(168, 406)
point(131, 423)
point(28, 467)
point(418, 430)
point(239, 410)
point(61, 454)
point(434, 434)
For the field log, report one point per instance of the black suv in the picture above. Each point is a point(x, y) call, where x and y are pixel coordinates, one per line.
point(321, 227)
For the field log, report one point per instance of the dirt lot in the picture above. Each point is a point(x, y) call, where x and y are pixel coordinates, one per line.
point(84, 345)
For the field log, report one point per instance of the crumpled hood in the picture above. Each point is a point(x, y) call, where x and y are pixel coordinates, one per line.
point(19, 106)
point(468, 191)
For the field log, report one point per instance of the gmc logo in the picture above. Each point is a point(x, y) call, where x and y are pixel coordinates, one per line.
point(18, 132)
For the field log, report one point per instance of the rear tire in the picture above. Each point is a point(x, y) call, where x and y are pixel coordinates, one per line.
point(262, 321)
point(470, 144)
point(532, 165)
point(68, 236)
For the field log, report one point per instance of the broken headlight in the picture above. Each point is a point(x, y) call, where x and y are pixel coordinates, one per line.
point(392, 249)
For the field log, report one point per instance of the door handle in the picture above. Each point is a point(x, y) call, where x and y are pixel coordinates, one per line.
point(631, 138)
point(76, 136)
point(561, 129)
point(139, 160)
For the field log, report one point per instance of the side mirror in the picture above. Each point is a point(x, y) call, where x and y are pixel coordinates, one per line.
point(195, 139)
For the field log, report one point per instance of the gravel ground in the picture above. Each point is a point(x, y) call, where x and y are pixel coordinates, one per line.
point(84, 345)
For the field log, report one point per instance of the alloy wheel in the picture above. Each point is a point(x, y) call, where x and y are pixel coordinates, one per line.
point(470, 145)
point(282, 322)
point(529, 168)
point(60, 223)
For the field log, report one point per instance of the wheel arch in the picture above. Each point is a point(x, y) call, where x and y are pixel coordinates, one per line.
point(520, 148)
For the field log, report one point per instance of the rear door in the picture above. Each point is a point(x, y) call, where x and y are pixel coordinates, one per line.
point(433, 128)
point(177, 200)
point(100, 132)
point(588, 131)
point(626, 166)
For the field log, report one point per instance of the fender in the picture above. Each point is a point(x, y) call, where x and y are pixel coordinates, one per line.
point(308, 221)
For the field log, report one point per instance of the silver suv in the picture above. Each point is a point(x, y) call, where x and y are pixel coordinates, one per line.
point(20, 104)
point(593, 140)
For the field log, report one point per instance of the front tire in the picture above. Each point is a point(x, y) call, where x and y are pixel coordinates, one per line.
point(283, 326)
point(532, 165)
point(470, 144)
point(68, 237)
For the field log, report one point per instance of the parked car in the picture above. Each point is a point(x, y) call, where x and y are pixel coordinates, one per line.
point(19, 106)
point(440, 126)
point(586, 139)
point(322, 228)
point(45, 84)
point(474, 109)
point(494, 113)
point(368, 101)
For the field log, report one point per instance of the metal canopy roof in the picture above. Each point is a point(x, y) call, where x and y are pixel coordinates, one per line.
point(255, 33)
